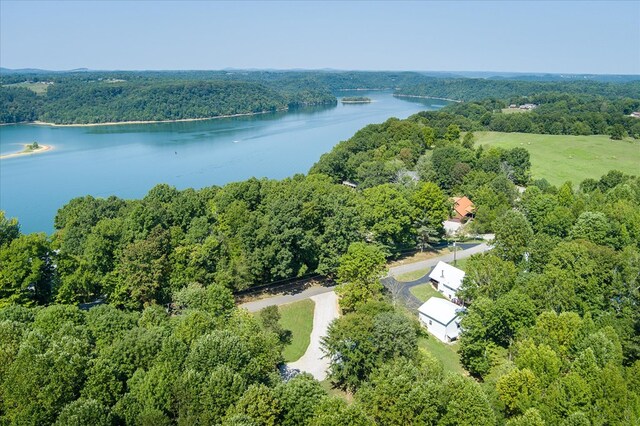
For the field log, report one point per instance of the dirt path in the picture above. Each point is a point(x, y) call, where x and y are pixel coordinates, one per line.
point(313, 360)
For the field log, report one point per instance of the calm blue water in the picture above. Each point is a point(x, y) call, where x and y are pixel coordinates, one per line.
point(128, 160)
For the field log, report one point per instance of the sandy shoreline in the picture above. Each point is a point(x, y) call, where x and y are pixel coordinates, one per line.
point(119, 123)
point(41, 149)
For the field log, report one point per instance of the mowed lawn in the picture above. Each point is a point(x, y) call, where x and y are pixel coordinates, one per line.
point(298, 318)
point(460, 263)
point(559, 158)
point(425, 292)
point(446, 354)
point(413, 275)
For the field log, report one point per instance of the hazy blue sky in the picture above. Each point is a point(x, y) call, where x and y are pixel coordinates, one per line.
point(570, 37)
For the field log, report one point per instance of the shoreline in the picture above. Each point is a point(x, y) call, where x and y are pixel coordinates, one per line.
point(364, 89)
point(427, 97)
point(120, 123)
point(40, 150)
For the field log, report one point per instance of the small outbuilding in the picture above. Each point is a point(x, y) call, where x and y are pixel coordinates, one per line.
point(441, 318)
point(447, 279)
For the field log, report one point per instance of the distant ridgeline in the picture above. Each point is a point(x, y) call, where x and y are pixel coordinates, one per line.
point(100, 97)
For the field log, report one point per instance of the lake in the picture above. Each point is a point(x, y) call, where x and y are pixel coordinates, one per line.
point(128, 160)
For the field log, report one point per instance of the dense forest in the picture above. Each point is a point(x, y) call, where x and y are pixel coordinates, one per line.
point(552, 337)
point(555, 113)
point(100, 97)
point(126, 314)
point(258, 231)
point(112, 97)
point(474, 89)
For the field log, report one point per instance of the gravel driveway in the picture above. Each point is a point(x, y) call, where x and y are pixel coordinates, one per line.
point(312, 361)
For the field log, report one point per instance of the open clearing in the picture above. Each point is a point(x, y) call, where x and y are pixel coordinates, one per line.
point(413, 275)
point(460, 263)
point(514, 110)
point(298, 318)
point(425, 292)
point(560, 158)
point(446, 354)
point(40, 88)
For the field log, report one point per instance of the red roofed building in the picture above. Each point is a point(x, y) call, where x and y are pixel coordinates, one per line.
point(463, 207)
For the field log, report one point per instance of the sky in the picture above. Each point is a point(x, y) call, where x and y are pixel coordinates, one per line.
point(581, 37)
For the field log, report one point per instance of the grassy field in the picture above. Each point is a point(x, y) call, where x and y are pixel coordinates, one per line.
point(559, 158)
point(514, 110)
point(460, 264)
point(425, 292)
point(412, 276)
point(38, 88)
point(447, 354)
point(297, 317)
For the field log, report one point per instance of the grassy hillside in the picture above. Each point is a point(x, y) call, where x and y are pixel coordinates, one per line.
point(559, 158)
point(39, 88)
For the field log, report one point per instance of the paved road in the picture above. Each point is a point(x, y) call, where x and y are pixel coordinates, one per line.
point(395, 271)
point(283, 299)
point(430, 263)
point(313, 360)
point(401, 290)
point(326, 306)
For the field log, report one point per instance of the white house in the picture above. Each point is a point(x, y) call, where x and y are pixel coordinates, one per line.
point(447, 279)
point(441, 318)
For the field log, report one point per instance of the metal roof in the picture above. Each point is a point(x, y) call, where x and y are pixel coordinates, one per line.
point(440, 310)
point(447, 275)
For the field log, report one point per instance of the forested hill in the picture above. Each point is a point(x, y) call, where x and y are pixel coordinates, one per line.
point(473, 89)
point(111, 102)
point(99, 97)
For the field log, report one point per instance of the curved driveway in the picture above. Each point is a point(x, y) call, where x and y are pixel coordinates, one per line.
point(326, 308)
point(313, 361)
